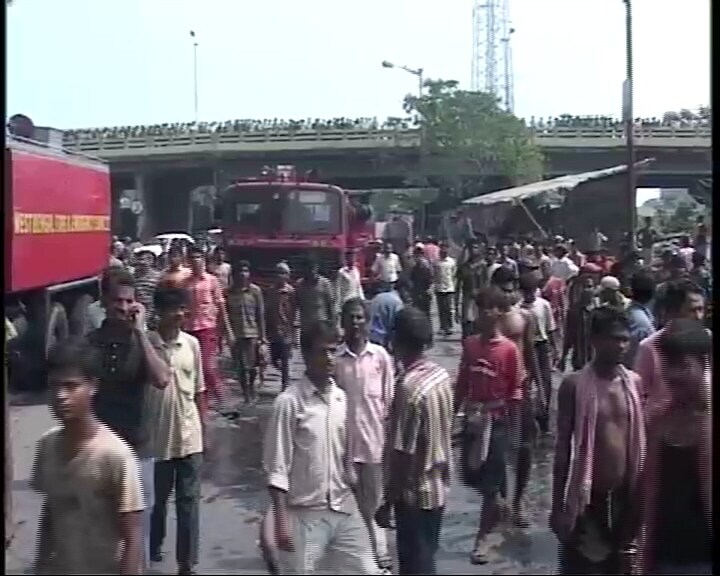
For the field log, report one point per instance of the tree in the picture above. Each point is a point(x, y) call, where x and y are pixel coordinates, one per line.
point(466, 137)
point(682, 220)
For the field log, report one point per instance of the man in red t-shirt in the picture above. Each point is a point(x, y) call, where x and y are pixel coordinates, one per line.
point(489, 384)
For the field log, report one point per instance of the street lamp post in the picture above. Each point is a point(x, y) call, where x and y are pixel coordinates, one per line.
point(414, 71)
point(629, 124)
point(195, 72)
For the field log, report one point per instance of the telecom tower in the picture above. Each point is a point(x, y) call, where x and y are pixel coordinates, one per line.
point(492, 53)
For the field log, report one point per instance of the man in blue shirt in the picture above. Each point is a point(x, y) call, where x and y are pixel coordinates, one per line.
point(383, 309)
point(640, 315)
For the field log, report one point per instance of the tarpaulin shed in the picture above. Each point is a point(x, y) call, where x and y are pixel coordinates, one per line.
point(554, 189)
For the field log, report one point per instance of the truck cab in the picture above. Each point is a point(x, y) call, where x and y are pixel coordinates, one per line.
point(281, 217)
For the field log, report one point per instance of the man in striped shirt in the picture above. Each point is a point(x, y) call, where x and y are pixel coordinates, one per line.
point(147, 279)
point(419, 448)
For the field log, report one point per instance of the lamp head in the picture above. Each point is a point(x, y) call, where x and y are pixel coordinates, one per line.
point(386, 64)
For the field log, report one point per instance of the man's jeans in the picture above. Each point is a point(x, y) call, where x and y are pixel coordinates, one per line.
point(147, 478)
point(184, 475)
point(418, 536)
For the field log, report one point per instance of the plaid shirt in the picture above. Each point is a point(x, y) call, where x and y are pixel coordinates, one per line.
point(421, 426)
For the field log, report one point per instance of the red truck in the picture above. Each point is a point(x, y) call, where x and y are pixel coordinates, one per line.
point(57, 239)
point(279, 216)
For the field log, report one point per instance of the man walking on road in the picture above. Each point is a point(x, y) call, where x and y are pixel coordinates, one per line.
point(599, 456)
point(445, 275)
point(280, 310)
point(387, 266)
point(472, 275)
point(176, 431)
point(308, 469)
point(383, 311)
point(315, 297)
point(419, 452)
point(130, 366)
point(247, 315)
point(365, 372)
point(207, 314)
point(91, 517)
point(349, 283)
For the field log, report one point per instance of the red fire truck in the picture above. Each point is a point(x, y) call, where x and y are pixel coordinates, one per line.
point(281, 217)
point(57, 238)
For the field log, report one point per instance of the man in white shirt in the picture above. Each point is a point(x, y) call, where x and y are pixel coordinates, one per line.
point(349, 283)
point(563, 267)
point(175, 430)
point(309, 470)
point(445, 275)
point(544, 346)
point(387, 266)
point(365, 372)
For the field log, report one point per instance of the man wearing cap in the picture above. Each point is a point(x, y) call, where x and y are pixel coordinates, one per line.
point(280, 310)
point(610, 294)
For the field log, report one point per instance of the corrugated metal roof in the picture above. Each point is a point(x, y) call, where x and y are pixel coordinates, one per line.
point(553, 186)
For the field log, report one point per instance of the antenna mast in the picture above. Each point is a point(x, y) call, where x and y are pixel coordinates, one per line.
point(492, 69)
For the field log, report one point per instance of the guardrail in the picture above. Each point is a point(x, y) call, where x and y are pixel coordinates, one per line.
point(368, 139)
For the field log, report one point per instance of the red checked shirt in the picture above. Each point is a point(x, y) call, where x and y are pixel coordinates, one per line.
point(490, 370)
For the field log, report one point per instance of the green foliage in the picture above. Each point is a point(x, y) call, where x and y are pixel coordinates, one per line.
point(467, 136)
point(682, 219)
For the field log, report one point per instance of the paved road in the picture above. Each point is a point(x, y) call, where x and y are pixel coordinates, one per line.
point(234, 499)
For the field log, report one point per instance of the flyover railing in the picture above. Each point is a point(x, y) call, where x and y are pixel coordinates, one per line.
point(357, 138)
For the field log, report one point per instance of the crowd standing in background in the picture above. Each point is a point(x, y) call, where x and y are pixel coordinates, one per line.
point(688, 119)
point(363, 442)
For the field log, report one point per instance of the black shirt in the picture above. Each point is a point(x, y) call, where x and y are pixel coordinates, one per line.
point(121, 391)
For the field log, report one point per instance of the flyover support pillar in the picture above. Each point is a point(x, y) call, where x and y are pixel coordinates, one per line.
point(141, 207)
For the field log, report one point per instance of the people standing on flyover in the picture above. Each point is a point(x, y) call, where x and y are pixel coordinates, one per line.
point(130, 366)
point(90, 521)
point(315, 296)
point(349, 283)
point(280, 312)
point(177, 273)
point(246, 308)
point(490, 386)
point(307, 466)
point(445, 275)
point(421, 280)
point(387, 266)
point(419, 451)
point(471, 277)
point(600, 452)
point(365, 372)
point(176, 431)
point(207, 315)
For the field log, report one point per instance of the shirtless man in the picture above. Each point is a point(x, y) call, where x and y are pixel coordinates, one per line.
point(518, 325)
point(596, 496)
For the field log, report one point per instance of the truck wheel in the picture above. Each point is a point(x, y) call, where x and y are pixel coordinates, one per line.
point(57, 328)
point(79, 324)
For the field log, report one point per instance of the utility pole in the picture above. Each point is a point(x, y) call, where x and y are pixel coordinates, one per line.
point(629, 125)
point(195, 72)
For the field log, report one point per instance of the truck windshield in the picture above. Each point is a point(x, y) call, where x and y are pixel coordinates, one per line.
point(281, 210)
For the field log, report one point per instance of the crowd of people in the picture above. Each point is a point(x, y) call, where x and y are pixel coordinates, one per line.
point(393, 123)
point(364, 440)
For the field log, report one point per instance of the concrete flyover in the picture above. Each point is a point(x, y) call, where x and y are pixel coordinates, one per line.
point(164, 168)
point(171, 146)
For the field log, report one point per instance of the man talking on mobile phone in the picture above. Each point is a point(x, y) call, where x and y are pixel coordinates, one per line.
point(130, 364)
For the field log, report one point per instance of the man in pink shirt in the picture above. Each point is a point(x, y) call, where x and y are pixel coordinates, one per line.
point(207, 307)
point(681, 299)
point(365, 372)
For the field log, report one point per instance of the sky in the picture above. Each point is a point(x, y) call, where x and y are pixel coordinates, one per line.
point(82, 63)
